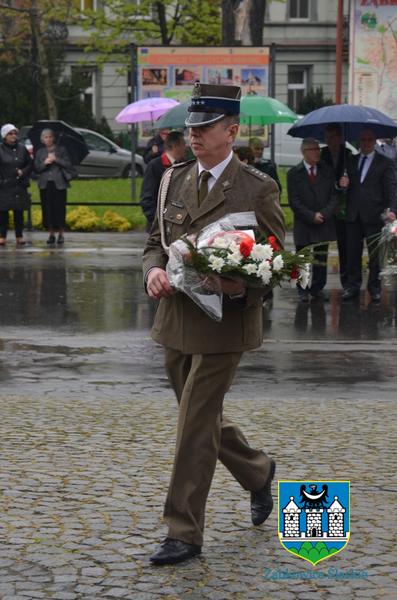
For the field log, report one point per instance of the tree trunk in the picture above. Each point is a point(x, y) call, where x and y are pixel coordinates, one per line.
point(242, 22)
point(43, 62)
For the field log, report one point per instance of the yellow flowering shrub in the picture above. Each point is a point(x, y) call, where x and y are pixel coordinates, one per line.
point(83, 218)
point(111, 221)
point(37, 219)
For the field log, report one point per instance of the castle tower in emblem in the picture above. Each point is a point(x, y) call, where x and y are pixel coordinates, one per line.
point(291, 519)
point(336, 519)
point(313, 522)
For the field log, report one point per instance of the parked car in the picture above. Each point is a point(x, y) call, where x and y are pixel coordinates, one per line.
point(105, 159)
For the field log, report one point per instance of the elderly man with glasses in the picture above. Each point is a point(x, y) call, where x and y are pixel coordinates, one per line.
point(313, 199)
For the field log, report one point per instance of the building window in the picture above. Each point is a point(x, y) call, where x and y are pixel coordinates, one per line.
point(84, 78)
point(298, 9)
point(298, 85)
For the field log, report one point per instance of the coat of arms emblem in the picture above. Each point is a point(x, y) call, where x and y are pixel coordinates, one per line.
point(313, 518)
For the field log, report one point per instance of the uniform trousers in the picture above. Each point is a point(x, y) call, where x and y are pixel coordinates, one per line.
point(204, 434)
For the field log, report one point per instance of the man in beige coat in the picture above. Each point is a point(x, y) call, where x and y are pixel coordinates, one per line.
point(201, 355)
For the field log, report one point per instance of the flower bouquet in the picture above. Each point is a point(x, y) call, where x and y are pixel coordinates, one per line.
point(227, 249)
point(387, 246)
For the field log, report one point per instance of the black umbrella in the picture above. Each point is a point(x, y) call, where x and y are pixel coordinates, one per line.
point(65, 135)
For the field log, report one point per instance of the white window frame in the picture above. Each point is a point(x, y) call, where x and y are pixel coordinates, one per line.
point(299, 18)
point(298, 86)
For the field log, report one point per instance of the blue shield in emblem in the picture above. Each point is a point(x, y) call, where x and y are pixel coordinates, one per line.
point(314, 518)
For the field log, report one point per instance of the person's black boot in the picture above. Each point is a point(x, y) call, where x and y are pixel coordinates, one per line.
point(262, 501)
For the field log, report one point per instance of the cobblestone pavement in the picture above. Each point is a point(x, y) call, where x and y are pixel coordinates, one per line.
point(87, 424)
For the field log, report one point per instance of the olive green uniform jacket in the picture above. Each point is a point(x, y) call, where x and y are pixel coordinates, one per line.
point(179, 323)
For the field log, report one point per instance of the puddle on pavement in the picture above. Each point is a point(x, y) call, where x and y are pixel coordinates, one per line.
point(95, 294)
point(84, 300)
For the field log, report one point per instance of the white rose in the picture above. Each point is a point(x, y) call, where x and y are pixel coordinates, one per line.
point(304, 276)
point(278, 263)
point(265, 272)
point(216, 263)
point(220, 242)
point(261, 252)
point(251, 269)
point(234, 258)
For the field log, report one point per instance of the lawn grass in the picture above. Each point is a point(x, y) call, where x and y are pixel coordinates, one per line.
point(119, 190)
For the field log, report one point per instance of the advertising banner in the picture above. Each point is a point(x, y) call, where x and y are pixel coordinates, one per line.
point(373, 55)
point(170, 72)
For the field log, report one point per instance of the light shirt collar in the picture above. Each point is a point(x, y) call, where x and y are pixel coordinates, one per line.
point(216, 171)
point(369, 156)
point(308, 167)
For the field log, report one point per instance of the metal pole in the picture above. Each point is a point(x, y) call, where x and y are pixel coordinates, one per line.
point(133, 125)
point(339, 53)
point(272, 94)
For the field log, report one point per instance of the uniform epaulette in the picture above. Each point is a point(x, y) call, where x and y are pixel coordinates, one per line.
point(259, 174)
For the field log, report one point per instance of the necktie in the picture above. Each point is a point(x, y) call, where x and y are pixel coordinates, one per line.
point(360, 171)
point(312, 175)
point(203, 188)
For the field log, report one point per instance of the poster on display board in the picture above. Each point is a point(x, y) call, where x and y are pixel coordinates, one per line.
point(373, 55)
point(170, 72)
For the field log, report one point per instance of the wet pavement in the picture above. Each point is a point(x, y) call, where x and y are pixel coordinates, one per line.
point(87, 426)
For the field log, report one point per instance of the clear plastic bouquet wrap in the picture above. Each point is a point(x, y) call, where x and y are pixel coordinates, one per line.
point(387, 246)
point(227, 249)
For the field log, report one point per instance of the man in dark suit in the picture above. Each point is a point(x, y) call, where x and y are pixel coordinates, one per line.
point(201, 355)
point(174, 151)
point(371, 189)
point(335, 154)
point(313, 199)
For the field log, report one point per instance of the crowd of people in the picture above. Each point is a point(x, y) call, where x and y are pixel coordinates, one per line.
point(53, 170)
point(334, 196)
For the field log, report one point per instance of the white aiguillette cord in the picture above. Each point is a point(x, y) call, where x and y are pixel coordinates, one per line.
point(161, 200)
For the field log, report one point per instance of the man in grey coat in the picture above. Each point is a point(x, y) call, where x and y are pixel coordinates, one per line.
point(313, 199)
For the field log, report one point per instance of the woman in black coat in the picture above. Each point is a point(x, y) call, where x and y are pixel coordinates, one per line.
point(15, 168)
point(53, 165)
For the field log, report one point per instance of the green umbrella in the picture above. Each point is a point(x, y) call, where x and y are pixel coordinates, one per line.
point(173, 118)
point(262, 110)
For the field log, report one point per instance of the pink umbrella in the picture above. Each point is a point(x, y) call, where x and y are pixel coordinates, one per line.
point(147, 109)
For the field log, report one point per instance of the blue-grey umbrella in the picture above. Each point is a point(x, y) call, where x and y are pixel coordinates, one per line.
point(353, 119)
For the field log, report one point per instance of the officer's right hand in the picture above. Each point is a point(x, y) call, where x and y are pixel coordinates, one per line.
point(158, 285)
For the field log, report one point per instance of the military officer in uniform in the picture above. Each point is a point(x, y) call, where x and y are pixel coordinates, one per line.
point(201, 355)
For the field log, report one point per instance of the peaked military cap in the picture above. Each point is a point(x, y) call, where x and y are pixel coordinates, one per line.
point(211, 103)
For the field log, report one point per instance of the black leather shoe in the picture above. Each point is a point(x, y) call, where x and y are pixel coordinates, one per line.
point(349, 294)
point(174, 551)
point(262, 501)
point(51, 239)
point(375, 298)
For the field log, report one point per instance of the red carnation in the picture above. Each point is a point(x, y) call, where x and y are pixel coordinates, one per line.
point(294, 273)
point(246, 246)
point(273, 242)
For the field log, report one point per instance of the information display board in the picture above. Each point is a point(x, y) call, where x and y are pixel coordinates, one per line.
point(373, 55)
point(170, 72)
